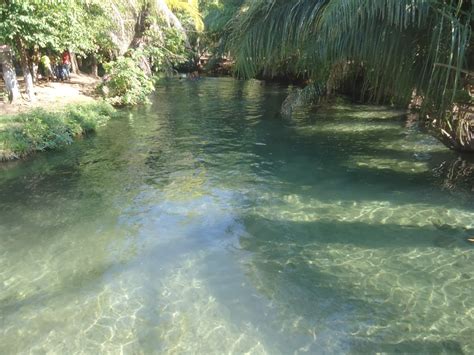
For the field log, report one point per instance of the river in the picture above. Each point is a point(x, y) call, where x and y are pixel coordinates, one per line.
point(206, 223)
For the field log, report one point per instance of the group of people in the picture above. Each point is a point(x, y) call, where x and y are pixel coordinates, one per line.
point(56, 68)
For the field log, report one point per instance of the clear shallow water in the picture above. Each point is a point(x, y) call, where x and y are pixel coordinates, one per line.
point(208, 224)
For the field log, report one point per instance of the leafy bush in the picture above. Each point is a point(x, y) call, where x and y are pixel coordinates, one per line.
point(166, 49)
point(89, 117)
point(40, 130)
point(46, 130)
point(126, 84)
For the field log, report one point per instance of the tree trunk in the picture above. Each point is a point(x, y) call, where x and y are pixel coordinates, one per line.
point(141, 25)
point(9, 75)
point(74, 65)
point(95, 68)
point(34, 70)
point(25, 67)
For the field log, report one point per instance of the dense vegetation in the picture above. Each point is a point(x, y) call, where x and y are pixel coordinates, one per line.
point(407, 53)
point(40, 130)
point(391, 51)
point(98, 32)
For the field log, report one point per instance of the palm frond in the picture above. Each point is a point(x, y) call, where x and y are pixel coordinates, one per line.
point(403, 45)
point(189, 7)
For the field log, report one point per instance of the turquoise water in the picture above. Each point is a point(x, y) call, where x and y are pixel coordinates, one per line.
point(208, 224)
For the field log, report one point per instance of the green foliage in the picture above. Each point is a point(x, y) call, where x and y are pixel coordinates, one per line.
point(402, 45)
point(126, 84)
point(102, 28)
point(44, 130)
point(53, 24)
point(83, 27)
point(34, 22)
point(165, 48)
point(462, 97)
point(187, 9)
point(90, 117)
point(86, 27)
point(40, 130)
point(217, 14)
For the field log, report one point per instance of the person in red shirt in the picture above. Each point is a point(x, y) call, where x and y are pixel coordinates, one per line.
point(66, 61)
point(66, 58)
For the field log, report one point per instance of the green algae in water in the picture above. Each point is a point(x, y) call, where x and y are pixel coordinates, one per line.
point(208, 224)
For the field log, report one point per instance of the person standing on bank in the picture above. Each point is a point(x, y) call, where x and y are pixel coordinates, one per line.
point(46, 63)
point(66, 61)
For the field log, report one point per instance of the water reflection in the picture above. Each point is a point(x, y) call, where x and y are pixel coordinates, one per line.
point(207, 224)
point(456, 174)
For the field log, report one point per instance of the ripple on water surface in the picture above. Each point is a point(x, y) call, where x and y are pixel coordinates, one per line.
point(211, 225)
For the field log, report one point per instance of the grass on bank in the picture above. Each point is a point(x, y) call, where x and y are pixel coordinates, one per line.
point(40, 130)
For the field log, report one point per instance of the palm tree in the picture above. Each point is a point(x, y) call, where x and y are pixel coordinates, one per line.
point(134, 17)
point(402, 47)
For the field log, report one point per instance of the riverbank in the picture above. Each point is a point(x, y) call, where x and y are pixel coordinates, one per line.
point(62, 112)
point(80, 89)
point(40, 129)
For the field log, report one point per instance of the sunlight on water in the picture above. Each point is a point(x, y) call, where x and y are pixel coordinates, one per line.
point(300, 209)
point(208, 224)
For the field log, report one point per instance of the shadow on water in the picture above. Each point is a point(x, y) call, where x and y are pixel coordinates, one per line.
point(410, 347)
point(339, 230)
point(364, 235)
point(363, 158)
point(369, 163)
point(360, 287)
point(355, 144)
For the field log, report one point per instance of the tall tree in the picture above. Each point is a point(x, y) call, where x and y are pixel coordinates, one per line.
point(9, 75)
point(81, 27)
point(26, 23)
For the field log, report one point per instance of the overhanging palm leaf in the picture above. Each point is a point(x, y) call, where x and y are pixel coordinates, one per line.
point(403, 44)
point(189, 7)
